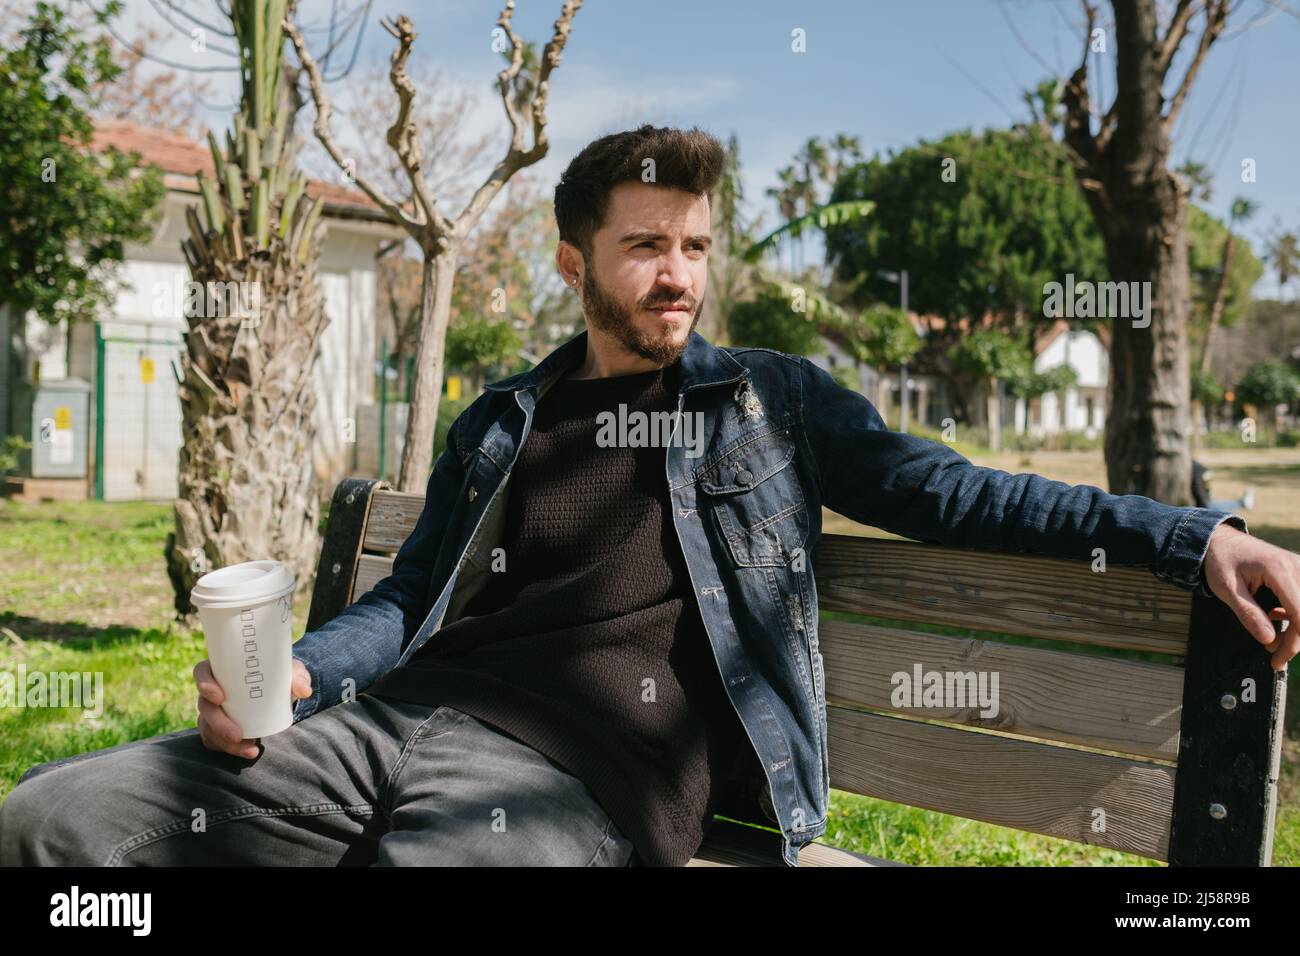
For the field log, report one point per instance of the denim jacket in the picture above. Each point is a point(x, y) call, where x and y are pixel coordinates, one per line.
point(780, 438)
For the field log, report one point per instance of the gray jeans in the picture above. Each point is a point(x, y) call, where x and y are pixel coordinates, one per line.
point(375, 781)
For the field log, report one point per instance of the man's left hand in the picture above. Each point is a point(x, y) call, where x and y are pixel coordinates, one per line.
point(1236, 566)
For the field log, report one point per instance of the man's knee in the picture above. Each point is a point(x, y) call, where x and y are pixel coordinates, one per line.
point(54, 816)
point(22, 820)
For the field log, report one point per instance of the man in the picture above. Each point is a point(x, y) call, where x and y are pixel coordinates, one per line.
point(599, 626)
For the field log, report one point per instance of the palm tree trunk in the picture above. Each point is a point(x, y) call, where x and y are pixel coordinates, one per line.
point(247, 482)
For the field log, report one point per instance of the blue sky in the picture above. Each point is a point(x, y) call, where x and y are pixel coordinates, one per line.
point(888, 71)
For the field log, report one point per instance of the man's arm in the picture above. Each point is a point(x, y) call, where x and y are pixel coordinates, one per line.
point(925, 490)
point(365, 640)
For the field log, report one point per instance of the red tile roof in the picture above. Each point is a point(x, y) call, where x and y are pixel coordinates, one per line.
point(182, 159)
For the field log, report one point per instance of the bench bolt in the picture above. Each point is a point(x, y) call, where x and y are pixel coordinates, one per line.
point(1218, 811)
point(1228, 702)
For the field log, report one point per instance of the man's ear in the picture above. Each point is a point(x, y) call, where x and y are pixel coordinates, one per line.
point(569, 261)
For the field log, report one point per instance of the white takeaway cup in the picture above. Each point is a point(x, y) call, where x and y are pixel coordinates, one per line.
point(246, 610)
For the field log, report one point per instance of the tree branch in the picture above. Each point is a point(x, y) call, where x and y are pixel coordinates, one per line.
point(1083, 148)
point(403, 136)
point(323, 133)
point(534, 110)
point(1183, 14)
point(1216, 18)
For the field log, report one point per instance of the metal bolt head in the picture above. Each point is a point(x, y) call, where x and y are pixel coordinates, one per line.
point(352, 496)
point(1228, 702)
point(337, 567)
point(473, 492)
point(1218, 811)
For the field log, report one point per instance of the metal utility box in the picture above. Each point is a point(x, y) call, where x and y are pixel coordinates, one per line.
point(55, 418)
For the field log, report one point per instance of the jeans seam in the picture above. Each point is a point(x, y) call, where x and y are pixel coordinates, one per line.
point(390, 782)
point(180, 826)
point(602, 843)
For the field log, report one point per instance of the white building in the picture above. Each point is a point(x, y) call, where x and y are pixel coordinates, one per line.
point(127, 358)
point(1084, 407)
point(930, 402)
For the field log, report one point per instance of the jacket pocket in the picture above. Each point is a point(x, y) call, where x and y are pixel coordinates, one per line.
point(757, 501)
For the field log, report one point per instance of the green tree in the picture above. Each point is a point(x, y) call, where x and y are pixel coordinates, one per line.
point(977, 240)
point(478, 346)
point(729, 274)
point(993, 356)
point(68, 211)
point(1206, 389)
point(1267, 384)
point(769, 321)
point(1242, 279)
point(1283, 254)
point(10, 450)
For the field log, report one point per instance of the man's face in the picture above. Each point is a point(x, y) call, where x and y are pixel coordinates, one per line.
point(644, 283)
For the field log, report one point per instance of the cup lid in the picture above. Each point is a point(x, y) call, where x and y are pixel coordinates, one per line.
point(240, 585)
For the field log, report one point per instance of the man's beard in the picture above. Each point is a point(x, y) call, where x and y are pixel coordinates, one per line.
point(610, 316)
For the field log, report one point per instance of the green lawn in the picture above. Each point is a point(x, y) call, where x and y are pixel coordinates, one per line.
point(83, 588)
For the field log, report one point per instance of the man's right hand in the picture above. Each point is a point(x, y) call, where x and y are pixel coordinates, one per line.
point(217, 730)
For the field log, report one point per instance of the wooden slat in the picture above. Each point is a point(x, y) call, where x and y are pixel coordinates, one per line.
point(371, 569)
point(734, 844)
point(1030, 595)
point(1029, 786)
point(393, 515)
point(1132, 707)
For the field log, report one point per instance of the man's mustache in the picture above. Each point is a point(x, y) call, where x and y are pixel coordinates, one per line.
point(687, 305)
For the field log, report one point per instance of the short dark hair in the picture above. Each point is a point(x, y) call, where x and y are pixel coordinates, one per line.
point(691, 160)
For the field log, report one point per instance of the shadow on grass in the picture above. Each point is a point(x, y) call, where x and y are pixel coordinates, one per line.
point(1254, 472)
point(69, 632)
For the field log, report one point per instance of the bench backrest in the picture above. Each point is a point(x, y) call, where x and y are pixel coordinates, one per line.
point(1175, 757)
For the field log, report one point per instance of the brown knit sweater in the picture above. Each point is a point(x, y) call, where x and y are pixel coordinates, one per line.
point(589, 646)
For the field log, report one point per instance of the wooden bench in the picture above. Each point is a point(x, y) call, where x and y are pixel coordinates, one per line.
point(1168, 759)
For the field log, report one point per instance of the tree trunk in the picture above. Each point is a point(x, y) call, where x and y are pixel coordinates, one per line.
point(994, 416)
point(1140, 206)
point(247, 482)
point(426, 389)
point(882, 394)
point(1216, 310)
point(1146, 442)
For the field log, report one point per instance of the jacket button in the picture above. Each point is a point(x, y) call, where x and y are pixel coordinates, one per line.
point(473, 492)
point(743, 475)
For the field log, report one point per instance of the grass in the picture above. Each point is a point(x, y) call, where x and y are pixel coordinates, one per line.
point(83, 588)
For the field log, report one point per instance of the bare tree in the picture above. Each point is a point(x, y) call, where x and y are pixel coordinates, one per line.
point(438, 236)
point(440, 114)
point(1140, 206)
point(158, 98)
